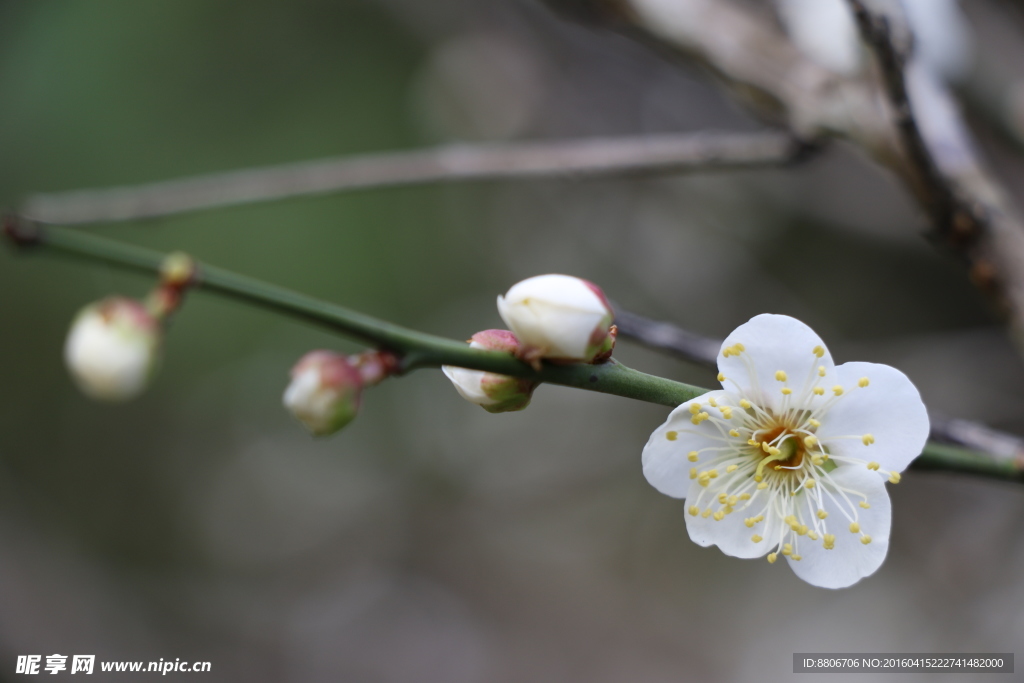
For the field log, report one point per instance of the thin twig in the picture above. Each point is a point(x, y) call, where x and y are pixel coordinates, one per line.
point(417, 349)
point(606, 156)
point(1002, 448)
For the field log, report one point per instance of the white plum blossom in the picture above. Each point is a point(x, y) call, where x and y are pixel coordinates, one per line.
point(791, 457)
point(325, 391)
point(112, 349)
point(559, 317)
point(493, 392)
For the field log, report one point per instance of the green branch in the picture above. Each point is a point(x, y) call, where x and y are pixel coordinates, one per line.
point(420, 350)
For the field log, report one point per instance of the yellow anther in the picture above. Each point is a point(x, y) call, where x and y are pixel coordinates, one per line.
point(818, 460)
point(713, 473)
point(726, 352)
point(719, 516)
point(786, 391)
point(830, 541)
point(693, 473)
point(729, 509)
point(744, 496)
point(696, 419)
point(712, 403)
point(750, 522)
point(694, 510)
point(756, 539)
point(759, 518)
point(864, 504)
point(854, 527)
point(811, 441)
point(721, 377)
point(758, 477)
point(706, 513)
point(822, 514)
point(819, 350)
point(802, 529)
point(671, 436)
point(865, 539)
point(796, 558)
point(791, 520)
point(772, 557)
point(810, 484)
point(813, 535)
point(692, 456)
point(818, 391)
point(873, 465)
point(787, 549)
point(762, 486)
point(814, 423)
point(752, 442)
point(863, 382)
point(780, 375)
point(694, 408)
point(733, 432)
point(739, 348)
point(722, 498)
point(821, 371)
point(732, 468)
point(867, 439)
point(732, 500)
point(704, 481)
point(837, 390)
point(744, 403)
point(727, 412)
point(894, 477)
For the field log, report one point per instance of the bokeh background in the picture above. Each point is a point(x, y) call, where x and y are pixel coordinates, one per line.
point(432, 541)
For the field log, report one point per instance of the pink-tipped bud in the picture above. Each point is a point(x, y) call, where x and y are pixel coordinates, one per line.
point(325, 391)
point(492, 392)
point(559, 317)
point(112, 349)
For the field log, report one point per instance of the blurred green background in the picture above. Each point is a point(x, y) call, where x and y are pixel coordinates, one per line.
point(432, 541)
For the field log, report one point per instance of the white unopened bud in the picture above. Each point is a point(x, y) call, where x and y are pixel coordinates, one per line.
point(324, 392)
point(112, 349)
point(559, 317)
point(493, 392)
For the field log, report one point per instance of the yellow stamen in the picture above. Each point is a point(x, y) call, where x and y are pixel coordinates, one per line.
point(873, 465)
point(692, 456)
point(818, 391)
point(865, 539)
point(837, 390)
point(854, 527)
point(786, 391)
point(830, 541)
point(694, 510)
point(744, 403)
point(863, 382)
point(733, 432)
point(693, 473)
point(867, 439)
point(772, 557)
point(694, 408)
point(671, 436)
point(706, 513)
point(822, 514)
point(811, 441)
point(864, 504)
point(894, 478)
point(719, 516)
point(819, 351)
point(809, 484)
point(756, 539)
point(821, 371)
point(780, 375)
point(721, 377)
point(814, 423)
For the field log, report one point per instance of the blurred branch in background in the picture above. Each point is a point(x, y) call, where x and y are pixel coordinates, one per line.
point(418, 350)
point(1005, 451)
point(929, 149)
point(706, 151)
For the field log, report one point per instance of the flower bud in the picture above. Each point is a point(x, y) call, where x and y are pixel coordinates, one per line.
point(492, 392)
point(112, 349)
point(559, 317)
point(324, 392)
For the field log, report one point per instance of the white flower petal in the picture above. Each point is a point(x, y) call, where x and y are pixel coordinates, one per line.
point(468, 384)
point(773, 343)
point(850, 560)
point(889, 409)
point(665, 461)
point(731, 534)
